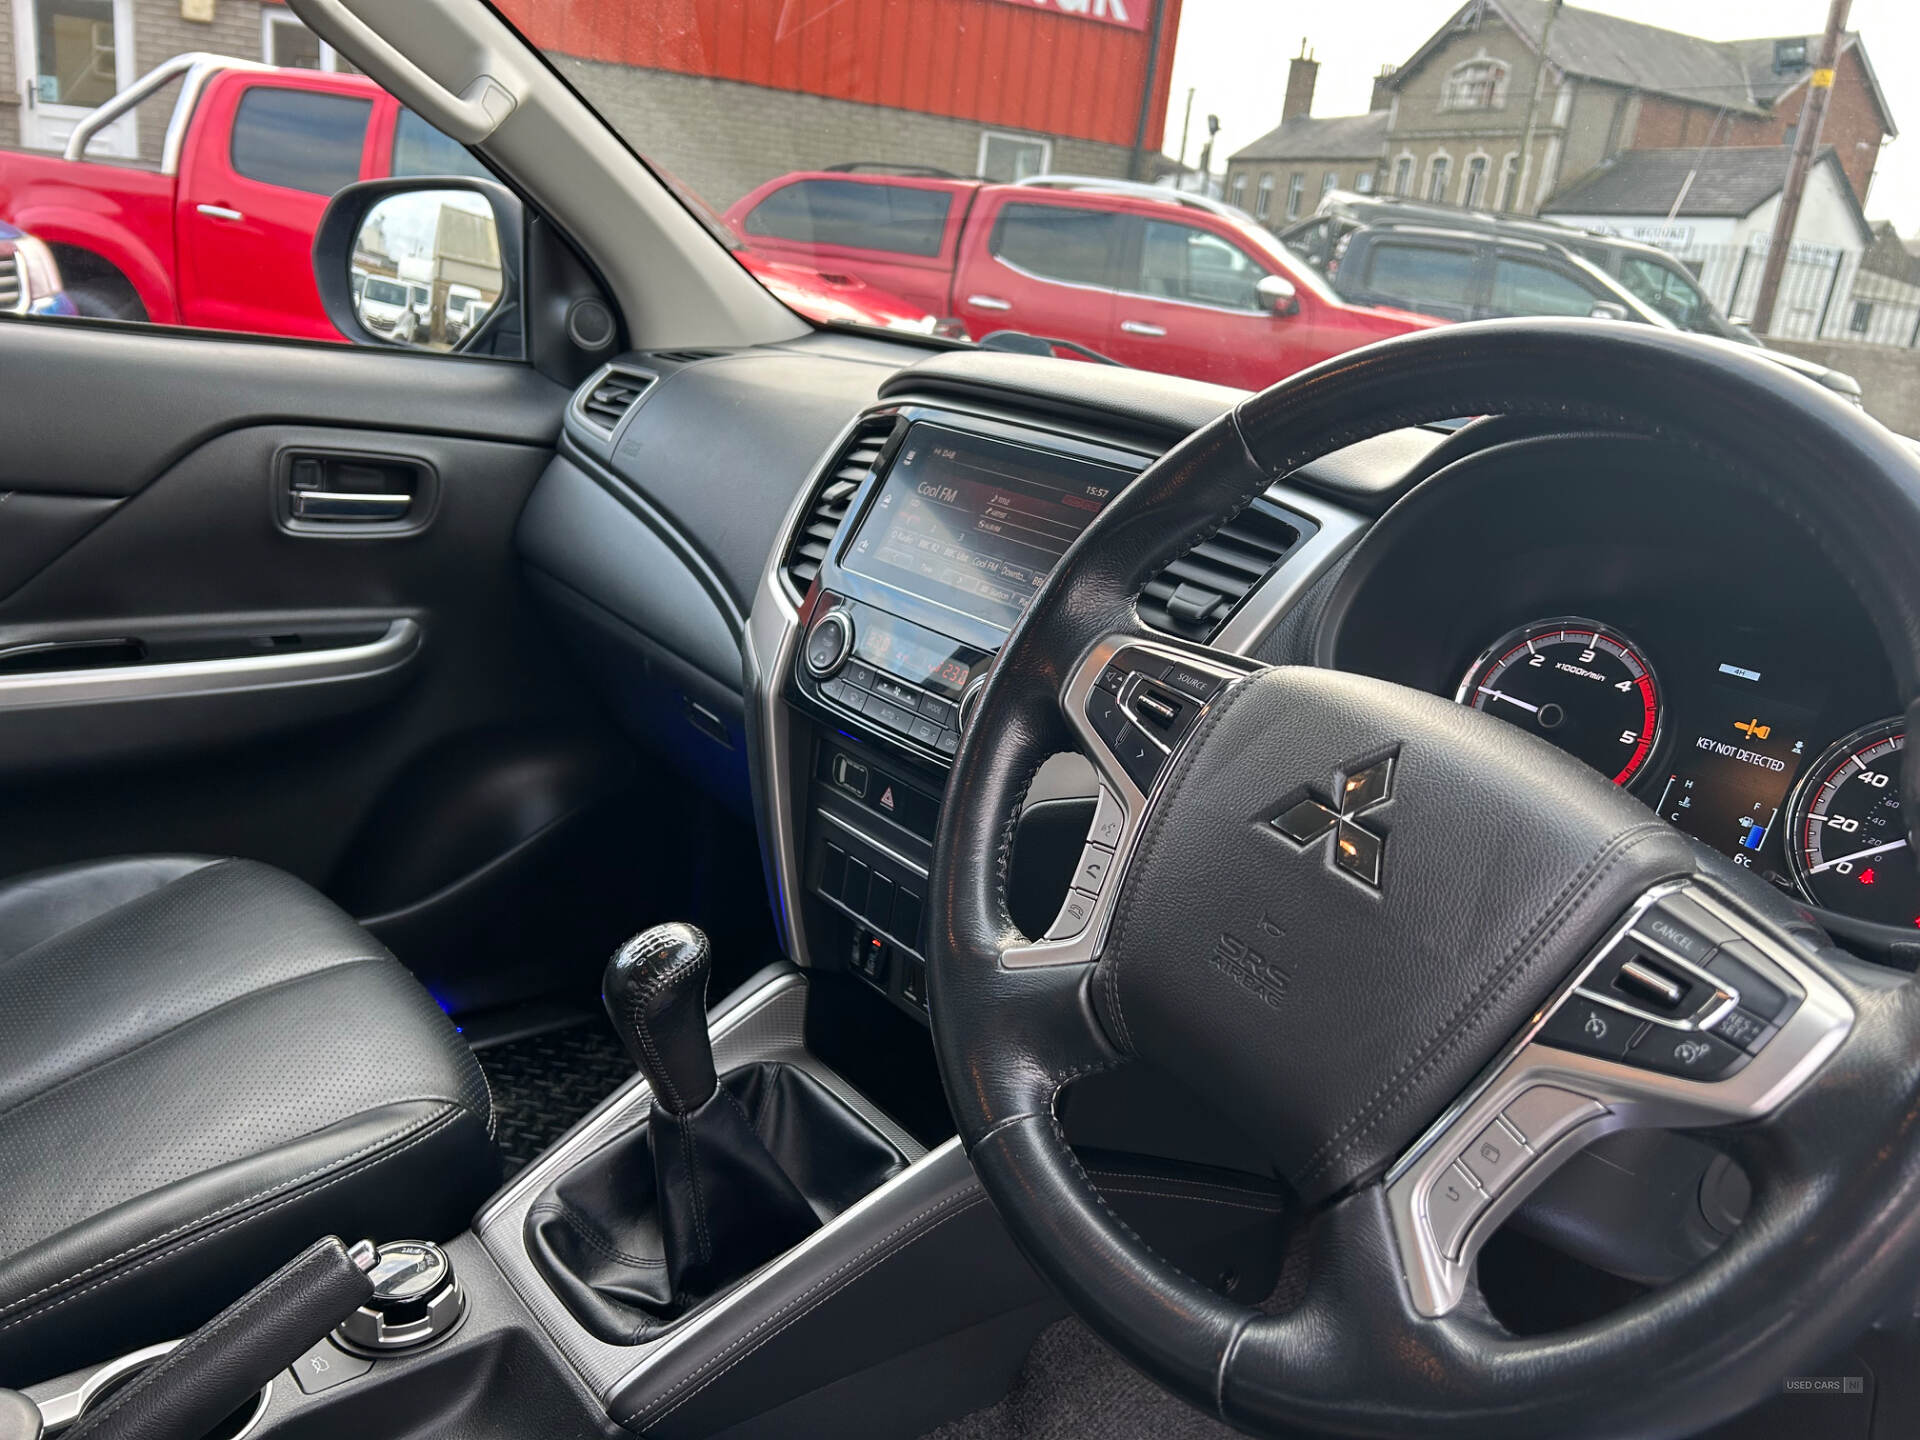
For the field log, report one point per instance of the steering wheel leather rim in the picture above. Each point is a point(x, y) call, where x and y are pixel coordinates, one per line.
point(1350, 1357)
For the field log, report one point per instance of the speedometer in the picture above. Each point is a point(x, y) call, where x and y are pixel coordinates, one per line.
point(1577, 683)
point(1847, 839)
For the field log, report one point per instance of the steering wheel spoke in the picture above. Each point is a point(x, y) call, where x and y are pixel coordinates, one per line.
point(1691, 1013)
point(1132, 702)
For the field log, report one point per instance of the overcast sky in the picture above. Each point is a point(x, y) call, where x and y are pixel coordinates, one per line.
point(1234, 54)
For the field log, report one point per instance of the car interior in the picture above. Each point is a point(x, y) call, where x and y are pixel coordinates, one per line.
point(661, 869)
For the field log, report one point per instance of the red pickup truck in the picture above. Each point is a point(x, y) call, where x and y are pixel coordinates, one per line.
point(221, 235)
point(1153, 278)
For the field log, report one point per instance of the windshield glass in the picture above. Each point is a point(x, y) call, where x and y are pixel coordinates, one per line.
point(1114, 173)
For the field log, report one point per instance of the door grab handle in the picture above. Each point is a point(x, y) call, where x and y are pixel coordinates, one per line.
point(1140, 327)
point(331, 505)
point(989, 302)
point(219, 212)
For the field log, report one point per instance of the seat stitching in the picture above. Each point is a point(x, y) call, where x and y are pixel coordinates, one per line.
point(808, 1300)
point(338, 1161)
point(445, 1118)
point(108, 1060)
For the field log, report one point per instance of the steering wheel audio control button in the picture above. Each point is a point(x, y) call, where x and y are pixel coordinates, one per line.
point(1109, 821)
point(1453, 1204)
point(1495, 1157)
point(1091, 874)
point(1591, 1028)
point(1544, 1113)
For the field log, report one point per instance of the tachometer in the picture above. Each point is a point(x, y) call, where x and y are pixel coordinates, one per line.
point(1576, 683)
point(1847, 837)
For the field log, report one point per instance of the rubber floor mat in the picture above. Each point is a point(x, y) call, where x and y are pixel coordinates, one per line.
point(543, 1083)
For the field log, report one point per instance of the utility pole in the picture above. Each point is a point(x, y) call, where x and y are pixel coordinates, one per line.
point(1533, 111)
point(1186, 122)
point(1156, 22)
point(1806, 144)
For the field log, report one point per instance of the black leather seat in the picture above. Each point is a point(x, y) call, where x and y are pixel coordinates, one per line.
point(204, 1065)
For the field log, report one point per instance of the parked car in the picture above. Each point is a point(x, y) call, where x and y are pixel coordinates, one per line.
point(1461, 264)
point(29, 276)
point(221, 236)
point(1155, 279)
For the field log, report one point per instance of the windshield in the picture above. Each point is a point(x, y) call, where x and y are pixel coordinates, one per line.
point(385, 292)
point(1114, 173)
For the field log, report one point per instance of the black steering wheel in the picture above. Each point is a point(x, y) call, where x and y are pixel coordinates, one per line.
point(1359, 918)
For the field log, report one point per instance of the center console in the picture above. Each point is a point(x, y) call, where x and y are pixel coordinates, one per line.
point(914, 552)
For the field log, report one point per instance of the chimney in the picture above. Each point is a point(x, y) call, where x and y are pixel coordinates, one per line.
point(1383, 89)
point(1302, 71)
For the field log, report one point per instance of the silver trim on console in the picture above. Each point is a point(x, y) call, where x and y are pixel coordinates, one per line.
point(58, 1412)
point(321, 665)
point(1621, 1097)
point(766, 1023)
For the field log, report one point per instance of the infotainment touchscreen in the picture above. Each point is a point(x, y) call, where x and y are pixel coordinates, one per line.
point(975, 523)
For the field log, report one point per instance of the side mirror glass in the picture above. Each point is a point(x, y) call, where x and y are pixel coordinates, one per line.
point(426, 268)
point(1276, 292)
point(1607, 310)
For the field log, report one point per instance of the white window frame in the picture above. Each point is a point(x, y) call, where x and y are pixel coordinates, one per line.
point(1412, 162)
point(1263, 197)
point(1508, 196)
point(1017, 137)
point(1296, 193)
point(1439, 173)
point(1329, 180)
point(1237, 190)
point(272, 16)
point(1363, 181)
point(1495, 92)
point(1468, 200)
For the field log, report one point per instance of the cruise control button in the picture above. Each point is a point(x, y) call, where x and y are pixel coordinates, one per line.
point(1109, 821)
point(1684, 928)
point(1591, 1028)
point(1075, 912)
point(1495, 1157)
point(1452, 1205)
point(1091, 875)
point(1692, 1053)
point(1761, 988)
point(1544, 1113)
point(1745, 1029)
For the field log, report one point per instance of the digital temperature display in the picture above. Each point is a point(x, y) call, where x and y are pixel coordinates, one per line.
point(938, 667)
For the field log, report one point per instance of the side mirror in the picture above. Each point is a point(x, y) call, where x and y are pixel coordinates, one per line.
point(423, 264)
point(1607, 310)
point(1276, 292)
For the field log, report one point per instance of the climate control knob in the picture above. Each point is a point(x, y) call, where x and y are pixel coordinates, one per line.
point(970, 700)
point(829, 642)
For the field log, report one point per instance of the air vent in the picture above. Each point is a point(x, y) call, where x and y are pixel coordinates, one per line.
point(685, 357)
point(829, 507)
point(9, 283)
point(1194, 595)
point(612, 396)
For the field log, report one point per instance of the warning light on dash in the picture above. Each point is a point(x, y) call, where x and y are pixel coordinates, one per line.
point(1866, 876)
point(1753, 729)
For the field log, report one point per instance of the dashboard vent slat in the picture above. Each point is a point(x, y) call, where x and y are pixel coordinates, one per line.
point(616, 392)
point(1193, 596)
point(829, 506)
point(685, 357)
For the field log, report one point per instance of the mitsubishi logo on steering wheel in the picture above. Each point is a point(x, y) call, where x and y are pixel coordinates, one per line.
point(1356, 849)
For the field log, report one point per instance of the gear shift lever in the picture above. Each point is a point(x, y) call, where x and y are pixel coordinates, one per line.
point(725, 1204)
point(655, 989)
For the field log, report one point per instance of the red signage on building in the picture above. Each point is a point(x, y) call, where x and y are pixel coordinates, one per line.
point(1133, 14)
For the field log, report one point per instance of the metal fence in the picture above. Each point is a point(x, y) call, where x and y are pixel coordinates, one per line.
point(1824, 294)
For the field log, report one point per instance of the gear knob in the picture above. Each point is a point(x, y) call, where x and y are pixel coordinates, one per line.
point(655, 991)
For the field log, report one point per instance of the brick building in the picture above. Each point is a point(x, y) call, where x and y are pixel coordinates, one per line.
point(1282, 175)
point(730, 93)
point(59, 58)
point(1457, 110)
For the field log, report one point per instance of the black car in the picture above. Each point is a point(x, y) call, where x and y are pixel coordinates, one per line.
point(1475, 265)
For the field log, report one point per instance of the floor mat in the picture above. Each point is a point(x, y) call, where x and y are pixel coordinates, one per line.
point(543, 1083)
point(1073, 1387)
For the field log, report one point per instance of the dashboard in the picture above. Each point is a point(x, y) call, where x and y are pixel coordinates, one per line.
point(1654, 617)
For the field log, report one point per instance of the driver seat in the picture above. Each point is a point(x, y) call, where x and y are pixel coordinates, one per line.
point(204, 1066)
